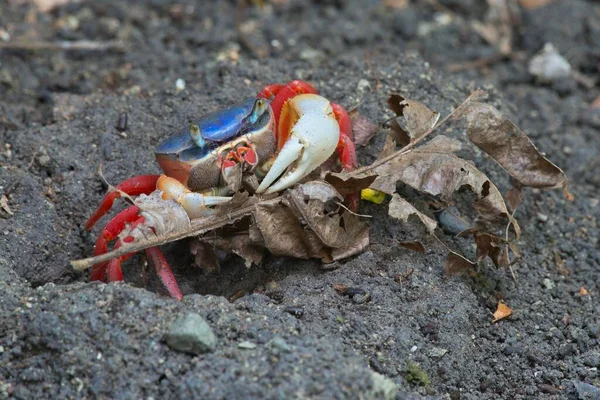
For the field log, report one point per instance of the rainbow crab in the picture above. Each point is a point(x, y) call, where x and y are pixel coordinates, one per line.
point(280, 136)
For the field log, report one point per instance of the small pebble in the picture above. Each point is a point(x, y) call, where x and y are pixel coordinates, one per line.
point(180, 85)
point(586, 391)
point(542, 217)
point(363, 85)
point(191, 334)
point(122, 122)
point(279, 344)
point(548, 283)
point(246, 345)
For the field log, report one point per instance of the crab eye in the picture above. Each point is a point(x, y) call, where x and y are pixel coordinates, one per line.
point(196, 136)
point(260, 106)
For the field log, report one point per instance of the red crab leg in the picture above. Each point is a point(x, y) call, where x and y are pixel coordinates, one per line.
point(109, 233)
point(345, 148)
point(143, 184)
point(164, 272)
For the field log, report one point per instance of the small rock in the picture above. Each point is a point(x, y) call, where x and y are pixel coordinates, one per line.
point(548, 65)
point(313, 56)
point(279, 344)
point(191, 334)
point(361, 298)
point(179, 85)
point(542, 217)
point(437, 352)
point(363, 85)
point(43, 159)
point(566, 350)
point(246, 345)
point(586, 391)
point(548, 283)
point(592, 360)
point(406, 23)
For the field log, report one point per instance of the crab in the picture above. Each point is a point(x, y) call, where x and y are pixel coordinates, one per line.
point(280, 136)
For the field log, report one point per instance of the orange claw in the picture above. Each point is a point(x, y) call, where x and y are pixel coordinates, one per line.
point(143, 184)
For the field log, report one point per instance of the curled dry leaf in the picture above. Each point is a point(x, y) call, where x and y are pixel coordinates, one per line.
point(493, 247)
point(401, 209)
point(495, 134)
point(4, 205)
point(415, 246)
point(311, 201)
point(456, 264)
point(514, 196)
point(583, 291)
point(283, 235)
point(418, 119)
point(363, 129)
point(503, 311)
point(440, 174)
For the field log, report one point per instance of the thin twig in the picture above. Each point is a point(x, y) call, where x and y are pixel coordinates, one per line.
point(65, 45)
point(197, 227)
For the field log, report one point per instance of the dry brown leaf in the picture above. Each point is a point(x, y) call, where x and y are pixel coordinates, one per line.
point(456, 264)
point(418, 119)
point(415, 246)
point(596, 103)
point(344, 184)
point(514, 196)
point(310, 200)
point(363, 129)
point(495, 134)
point(397, 4)
point(533, 4)
point(583, 291)
point(4, 205)
point(503, 311)
point(493, 247)
point(440, 174)
point(388, 147)
point(441, 144)
point(340, 288)
point(205, 256)
point(401, 209)
point(284, 235)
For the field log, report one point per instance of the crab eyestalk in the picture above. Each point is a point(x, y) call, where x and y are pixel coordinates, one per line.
point(196, 136)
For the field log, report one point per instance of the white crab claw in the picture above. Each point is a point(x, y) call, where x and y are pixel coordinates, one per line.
point(313, 139)
point(194, 204)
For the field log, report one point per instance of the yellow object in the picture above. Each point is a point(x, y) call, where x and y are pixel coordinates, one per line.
point(374, 196)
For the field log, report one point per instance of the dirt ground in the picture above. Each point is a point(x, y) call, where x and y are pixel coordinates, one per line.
point(61, 337)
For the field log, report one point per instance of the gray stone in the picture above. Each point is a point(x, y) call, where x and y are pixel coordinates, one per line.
point(585, 391)
point(191, 334)
point(246, 345)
